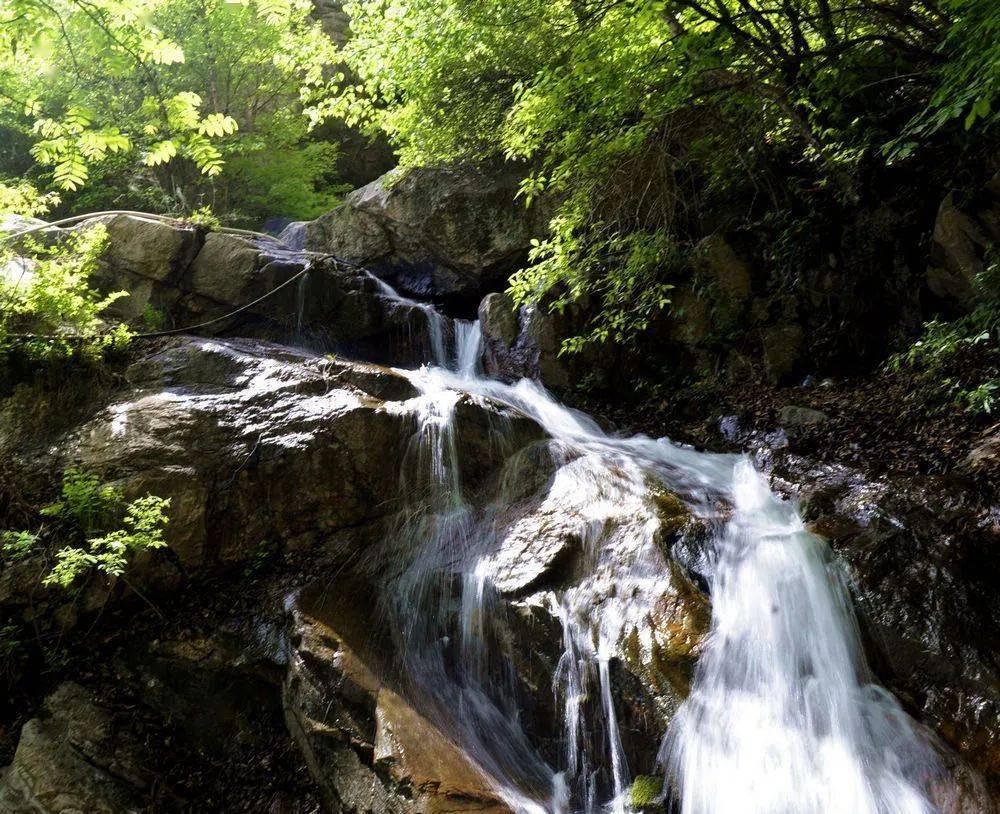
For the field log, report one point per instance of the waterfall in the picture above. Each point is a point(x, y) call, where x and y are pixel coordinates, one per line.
point(301, 289)
point(782, 707)
point(783, 716)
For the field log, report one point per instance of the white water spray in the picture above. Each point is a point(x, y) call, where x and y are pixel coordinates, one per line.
point(783, 717)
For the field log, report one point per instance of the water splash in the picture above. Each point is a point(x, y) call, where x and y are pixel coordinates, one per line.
point(783, 707)
point(301, 290)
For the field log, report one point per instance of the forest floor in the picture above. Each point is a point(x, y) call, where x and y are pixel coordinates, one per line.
point(878, 422)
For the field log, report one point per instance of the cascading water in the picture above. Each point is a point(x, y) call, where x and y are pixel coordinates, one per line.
point(782, 710)
point(782, 717)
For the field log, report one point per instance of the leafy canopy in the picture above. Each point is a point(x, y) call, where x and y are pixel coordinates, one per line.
point(637, 116)
point(152, 98)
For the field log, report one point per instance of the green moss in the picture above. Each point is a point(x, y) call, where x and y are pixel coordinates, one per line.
point(645, 789)
point(670, 511)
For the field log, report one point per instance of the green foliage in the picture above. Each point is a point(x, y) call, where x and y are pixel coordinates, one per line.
point(943, 354)
point(16, 545)
point(85, 501)
point(165, 93)
point(22, 198)
point(968, 94)
point(153, 318)
point(630, 118)
point(48, 296)
point(106, 531)
point(143, 527)
point(205, 218)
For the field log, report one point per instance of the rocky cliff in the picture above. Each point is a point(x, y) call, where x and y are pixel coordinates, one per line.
point(365, 561)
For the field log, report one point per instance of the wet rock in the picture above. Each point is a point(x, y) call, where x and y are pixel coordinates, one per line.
point(368, 748)
point(664, 651)
point(798, 421)
point(536, 548)
point(175, 275)
point(498, 320)
point(920, 565)
point(436, 232)
point(270, 427)
point(528, 344)
point(419, 757)
point(956, 256)
point(254, 444)
point(73, 758)
point(984, 458)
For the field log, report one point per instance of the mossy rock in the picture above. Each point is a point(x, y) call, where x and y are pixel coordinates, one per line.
point(670, 510)
point(645, 793)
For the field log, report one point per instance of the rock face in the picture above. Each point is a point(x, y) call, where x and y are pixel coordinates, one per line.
point(178, 276)
point(369, 749)
point(447, 233)
point(73, 758)
point(961, 239)
point(526, 343)
point(252, 443)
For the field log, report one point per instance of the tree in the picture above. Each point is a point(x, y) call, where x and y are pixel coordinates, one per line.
point(636, 115)
point(154, 97)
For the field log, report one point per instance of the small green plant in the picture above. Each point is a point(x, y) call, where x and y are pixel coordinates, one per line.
point(10, 641)
point(982, 399)
point(143, 526)
point(85, 500)
point(262, 555)
point(204, 217)
point(153, 318)
point(104, 530)
point(941, 350)
point(16, 545)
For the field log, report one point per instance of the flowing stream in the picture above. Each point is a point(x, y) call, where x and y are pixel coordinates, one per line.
point(783, 716)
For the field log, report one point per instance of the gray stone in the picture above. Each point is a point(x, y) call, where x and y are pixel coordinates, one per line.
point(452, 232)
point(72, 758)
point(796, 419)
point(498, 319)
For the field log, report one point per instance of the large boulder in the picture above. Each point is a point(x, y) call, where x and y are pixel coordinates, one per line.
point(956, 256)
point(368, 748)
point(448, 233)
point(177, 276)
point(253, 444)
point(74, 758)
point(963, 235)
point(726, 276)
